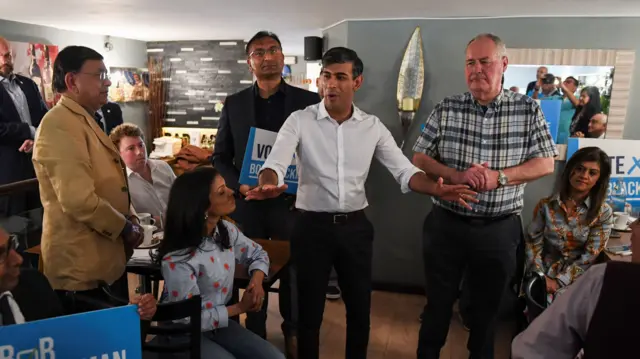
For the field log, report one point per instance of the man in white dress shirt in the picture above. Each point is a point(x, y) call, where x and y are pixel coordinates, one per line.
point(335, 143)
point(149, 180)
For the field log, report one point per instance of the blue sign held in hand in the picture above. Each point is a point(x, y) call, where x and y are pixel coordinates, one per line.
point(259, 146)
point(104, 334)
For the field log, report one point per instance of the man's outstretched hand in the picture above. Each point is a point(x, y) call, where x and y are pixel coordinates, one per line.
point(456, 193)
point(265, 192)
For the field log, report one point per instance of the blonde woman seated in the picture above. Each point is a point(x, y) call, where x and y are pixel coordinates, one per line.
point(570, 228)
point(198, 256)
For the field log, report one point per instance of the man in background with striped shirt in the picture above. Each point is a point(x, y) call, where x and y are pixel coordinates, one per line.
point(495, 141)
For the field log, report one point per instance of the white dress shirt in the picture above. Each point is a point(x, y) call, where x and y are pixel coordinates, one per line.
point(19, 100)
point(334, 159)
point(151, 197)
point(15, 309)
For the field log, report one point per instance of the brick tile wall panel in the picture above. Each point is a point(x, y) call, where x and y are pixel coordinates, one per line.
point(196, 83)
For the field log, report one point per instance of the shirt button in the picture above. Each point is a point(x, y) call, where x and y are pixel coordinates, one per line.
point(484, 142)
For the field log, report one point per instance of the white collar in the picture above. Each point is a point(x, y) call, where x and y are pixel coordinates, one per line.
point(15, 309)
point(149, 163)
point(323, 113)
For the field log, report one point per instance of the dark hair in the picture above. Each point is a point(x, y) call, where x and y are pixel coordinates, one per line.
point(343, 55)
point(261, 35)
point(71, 59)
point(598, 193)
point(548, 79)
point(589, 110)
point(185, 222)
point(574, 80)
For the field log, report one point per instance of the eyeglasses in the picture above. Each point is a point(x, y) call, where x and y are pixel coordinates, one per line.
point(102, 75)
point(259, 53)
point(11, 245)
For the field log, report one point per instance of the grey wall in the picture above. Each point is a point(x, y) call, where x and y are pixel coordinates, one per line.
point(196, 84)
point(125, 53)
point(398, 218)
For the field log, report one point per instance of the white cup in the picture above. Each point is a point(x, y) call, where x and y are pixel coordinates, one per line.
point(146, 219)
point(620, 220)
point(148, 234)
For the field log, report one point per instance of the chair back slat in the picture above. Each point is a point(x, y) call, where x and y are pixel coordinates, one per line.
point(169, 312)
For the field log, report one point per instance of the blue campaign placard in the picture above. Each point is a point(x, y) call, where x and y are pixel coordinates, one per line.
point(625, 162)
point(104, 334)
point(551, 111)
point(259, 146)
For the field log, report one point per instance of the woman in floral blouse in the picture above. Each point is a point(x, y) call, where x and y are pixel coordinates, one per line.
point(198, 256)
point(570, 228)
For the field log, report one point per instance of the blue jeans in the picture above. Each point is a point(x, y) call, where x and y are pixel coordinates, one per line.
point(233, 342)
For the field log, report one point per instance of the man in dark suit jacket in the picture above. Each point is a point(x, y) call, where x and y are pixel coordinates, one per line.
point(26, 295)
point(111, 114)
point(21, 110)
point(265, 105)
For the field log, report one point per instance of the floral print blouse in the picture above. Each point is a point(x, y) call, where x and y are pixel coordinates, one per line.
point(208, 271)
point(562, 246)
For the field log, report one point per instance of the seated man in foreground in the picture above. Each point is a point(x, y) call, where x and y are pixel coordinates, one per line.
point(33, 302)
point(601, 305)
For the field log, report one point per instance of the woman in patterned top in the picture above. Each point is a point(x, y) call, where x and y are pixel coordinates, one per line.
point(570, 228)
point(198, 256)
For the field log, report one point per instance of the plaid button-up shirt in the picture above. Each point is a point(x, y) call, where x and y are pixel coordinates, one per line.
point(512, 130)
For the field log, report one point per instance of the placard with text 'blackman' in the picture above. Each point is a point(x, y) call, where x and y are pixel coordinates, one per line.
point(259, 146)
point(104, 334)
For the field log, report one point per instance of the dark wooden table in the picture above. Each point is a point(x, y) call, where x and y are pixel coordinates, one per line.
point(278, 252)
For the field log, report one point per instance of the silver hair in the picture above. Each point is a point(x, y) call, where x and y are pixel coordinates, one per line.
point(500, 45)
point(603, 117)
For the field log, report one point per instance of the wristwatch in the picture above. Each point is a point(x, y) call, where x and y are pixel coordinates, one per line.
point(502, 179)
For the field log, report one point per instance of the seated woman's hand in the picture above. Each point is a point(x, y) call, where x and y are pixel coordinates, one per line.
point(551, 284)
point(247, 303)
point(147, 305)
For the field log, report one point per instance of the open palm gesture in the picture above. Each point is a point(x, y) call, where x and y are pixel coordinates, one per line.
point(456, 193)
point(265, 192)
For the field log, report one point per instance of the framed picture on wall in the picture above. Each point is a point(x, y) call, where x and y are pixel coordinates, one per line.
point(35, 61)
point(128, 84)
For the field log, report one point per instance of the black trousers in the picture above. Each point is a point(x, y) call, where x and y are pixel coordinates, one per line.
point(319, 241)
point(486, 249)
point(72, 305)
point(270, 219)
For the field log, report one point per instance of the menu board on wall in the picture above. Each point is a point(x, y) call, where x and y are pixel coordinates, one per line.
point(35, 61)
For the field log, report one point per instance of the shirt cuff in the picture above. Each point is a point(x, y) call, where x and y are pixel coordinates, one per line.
point(280, 175)
point(33, 132)
point(223, 317)
point(404, 186)
point(564, 279)
point(128, 227)
point(259, 265)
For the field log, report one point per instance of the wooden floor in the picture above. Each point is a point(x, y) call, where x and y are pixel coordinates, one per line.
point(394, 329)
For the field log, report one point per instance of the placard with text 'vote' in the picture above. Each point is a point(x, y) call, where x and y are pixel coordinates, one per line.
point(259, 146)
point(104, 334)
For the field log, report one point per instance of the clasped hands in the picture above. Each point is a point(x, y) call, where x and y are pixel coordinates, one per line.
point(479, 177)
point(253, 296)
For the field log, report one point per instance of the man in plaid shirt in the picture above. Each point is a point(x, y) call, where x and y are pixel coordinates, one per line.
point(495, 141)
